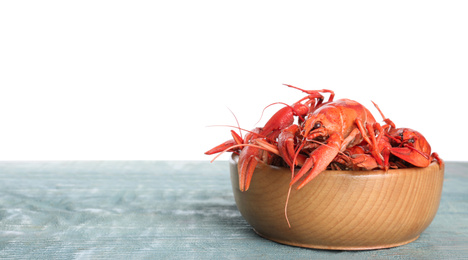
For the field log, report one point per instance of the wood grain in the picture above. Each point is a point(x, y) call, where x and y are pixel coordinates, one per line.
point(342, 210)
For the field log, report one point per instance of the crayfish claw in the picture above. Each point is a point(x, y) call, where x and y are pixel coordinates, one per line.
point(248, 160)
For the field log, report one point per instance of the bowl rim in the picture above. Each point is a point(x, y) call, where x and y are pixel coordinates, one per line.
point(234, 160)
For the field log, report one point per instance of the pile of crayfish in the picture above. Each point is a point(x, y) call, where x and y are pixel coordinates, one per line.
point(314, 135)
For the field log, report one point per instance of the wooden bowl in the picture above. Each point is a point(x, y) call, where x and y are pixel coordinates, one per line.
point(341, 210)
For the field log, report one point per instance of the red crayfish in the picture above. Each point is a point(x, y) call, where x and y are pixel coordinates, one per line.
point(314, 135)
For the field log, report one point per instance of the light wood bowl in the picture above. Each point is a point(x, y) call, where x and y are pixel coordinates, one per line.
point(341, 210)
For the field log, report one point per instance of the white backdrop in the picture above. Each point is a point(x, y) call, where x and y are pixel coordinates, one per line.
point(143, 79)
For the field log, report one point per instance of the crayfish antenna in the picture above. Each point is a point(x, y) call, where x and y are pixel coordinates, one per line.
point(315, 93)
point(263, 111)
point(234, 146)
point(286, 206)
point(237, 121)
point(386, 120)
point(292, 177)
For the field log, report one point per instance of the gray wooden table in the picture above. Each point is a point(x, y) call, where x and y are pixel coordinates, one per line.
point(173, 210)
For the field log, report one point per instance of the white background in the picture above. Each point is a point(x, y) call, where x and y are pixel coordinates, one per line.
point(144, 79)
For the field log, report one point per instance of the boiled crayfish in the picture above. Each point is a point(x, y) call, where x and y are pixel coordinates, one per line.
point(314, 135)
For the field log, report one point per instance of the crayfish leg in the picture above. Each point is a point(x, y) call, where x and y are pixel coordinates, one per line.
point(438, 159)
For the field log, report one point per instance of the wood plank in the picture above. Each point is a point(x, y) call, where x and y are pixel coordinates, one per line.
point(171, 209)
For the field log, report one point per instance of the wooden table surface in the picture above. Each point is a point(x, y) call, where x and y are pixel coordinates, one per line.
point(172, 210)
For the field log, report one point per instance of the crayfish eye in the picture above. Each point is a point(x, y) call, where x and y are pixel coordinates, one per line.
point(411, 141)
point(317, 125)
point(401, 135)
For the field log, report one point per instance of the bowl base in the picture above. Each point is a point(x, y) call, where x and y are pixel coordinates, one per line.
point(324, 247)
